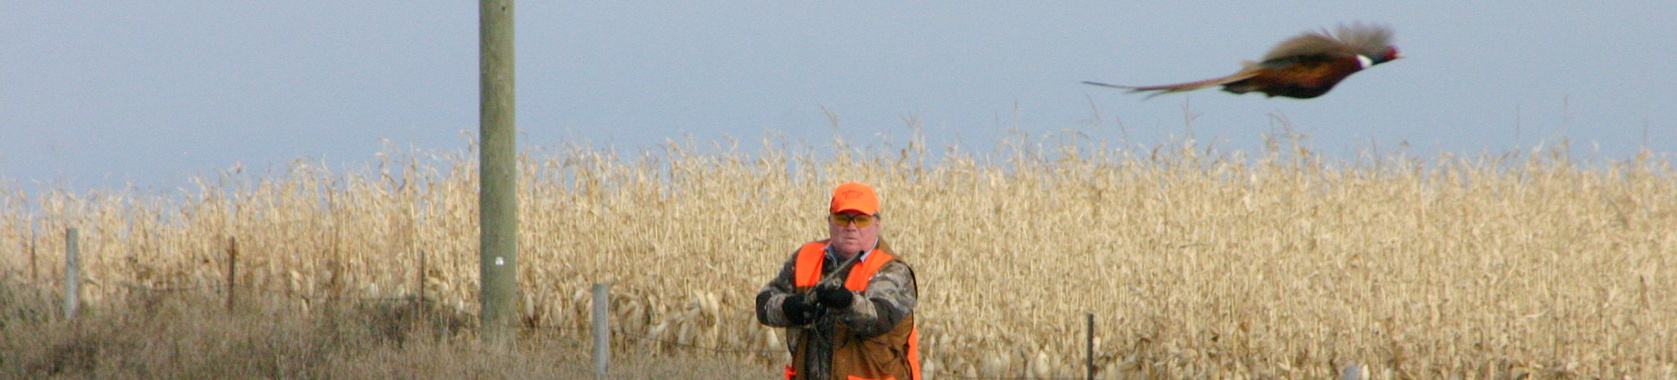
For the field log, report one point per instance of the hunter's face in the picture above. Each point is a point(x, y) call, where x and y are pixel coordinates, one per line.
point(849, 235)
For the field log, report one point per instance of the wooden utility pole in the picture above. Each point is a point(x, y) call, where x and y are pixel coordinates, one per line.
point(497, 171)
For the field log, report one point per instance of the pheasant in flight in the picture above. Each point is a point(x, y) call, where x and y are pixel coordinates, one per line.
point(1305, 66)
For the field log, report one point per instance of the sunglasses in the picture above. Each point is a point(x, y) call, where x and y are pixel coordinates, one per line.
point(843, 219)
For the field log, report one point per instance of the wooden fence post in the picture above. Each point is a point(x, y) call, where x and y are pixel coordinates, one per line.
point(232, 272)
point(34, 278)
point(602, 331)
point(422, 268)
point(72, 273)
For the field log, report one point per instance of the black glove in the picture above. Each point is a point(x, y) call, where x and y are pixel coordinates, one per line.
point(799, 311)
point(834, 296)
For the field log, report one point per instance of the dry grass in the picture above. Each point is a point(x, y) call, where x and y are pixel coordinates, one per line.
point(187, 336)
point(1195, 263)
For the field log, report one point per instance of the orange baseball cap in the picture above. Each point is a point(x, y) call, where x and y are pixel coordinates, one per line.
point(854, 196)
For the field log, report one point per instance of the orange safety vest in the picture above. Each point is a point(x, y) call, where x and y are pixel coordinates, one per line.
point(806, 273)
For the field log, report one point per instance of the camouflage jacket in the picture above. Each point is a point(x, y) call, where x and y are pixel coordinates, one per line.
point(890, 296)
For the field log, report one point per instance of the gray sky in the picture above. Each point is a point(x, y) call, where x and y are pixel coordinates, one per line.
point(107, 93)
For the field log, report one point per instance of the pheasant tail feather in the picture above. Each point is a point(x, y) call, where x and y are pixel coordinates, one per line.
point(1180, 87)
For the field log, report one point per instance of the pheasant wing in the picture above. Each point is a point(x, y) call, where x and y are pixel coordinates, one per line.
point(1355, 39)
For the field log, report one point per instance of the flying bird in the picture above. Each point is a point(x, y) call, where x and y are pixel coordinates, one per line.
point(1305, 66)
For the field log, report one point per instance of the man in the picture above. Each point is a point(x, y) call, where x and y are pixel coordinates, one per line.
point(860, 323)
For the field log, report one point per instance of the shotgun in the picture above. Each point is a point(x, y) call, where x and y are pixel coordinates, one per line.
point(835, 279)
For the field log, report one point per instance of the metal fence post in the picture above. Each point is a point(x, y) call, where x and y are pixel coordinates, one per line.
point(1089, 357)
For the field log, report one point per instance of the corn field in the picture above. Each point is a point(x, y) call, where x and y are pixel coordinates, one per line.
point(1195, 263)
